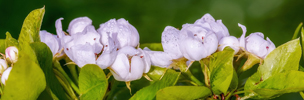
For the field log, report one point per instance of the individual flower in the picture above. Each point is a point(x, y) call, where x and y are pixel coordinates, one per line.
point(108, 55)
point(130, 64)
point(5, 75)
point(126, 34)
point(256, 44)
point(11, 54)
point(197, 42)
point(230, 41)
point(208, 22)
point(83, 44)
point(3, 65)
point(50, 40)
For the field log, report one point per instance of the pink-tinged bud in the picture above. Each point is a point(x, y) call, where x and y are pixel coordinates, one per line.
point(5, 75)
point(11, 54)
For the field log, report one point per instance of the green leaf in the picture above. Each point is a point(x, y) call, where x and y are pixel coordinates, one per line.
point(221, 70)
point(10, 41)
point(234, 81)
point(284, 58)
point(183, 93)
point(31, 27)
point(149, 92)
point(156, 73)
point(93, 83)
point(295, 35)
point(2, 46)
point(302, 41)
point(152, 46)
point(45, 59)
point(274, 86)
point(26, 80)
point(301, 68)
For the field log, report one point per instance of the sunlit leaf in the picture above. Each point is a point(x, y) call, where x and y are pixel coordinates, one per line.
point(274, 86)
point(221, 70)
point(2, 46)
point(93, 83)
point(26, 80)
point(149, 92)
point(284, 58)
point(31, 27)
point(10, 41)
point(183, 93)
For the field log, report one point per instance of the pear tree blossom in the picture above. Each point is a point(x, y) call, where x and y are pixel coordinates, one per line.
point(5, 75)
point(52, 41)
point(3, 65)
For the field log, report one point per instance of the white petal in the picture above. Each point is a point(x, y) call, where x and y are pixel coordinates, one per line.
point(120, 67)
point(230, 41)
point(131, 51)
point(210, 43)
point(158, 58)
point(242, 38)
point(3, 65)
point(83, 54)
point(77, 25)
point(170, 38)
point(50, 40)
point(5, 75)
point(256, 44)
point(136, 69)
point(146, 58)
point(59, 30)
point(193, 49)
point(106, 59)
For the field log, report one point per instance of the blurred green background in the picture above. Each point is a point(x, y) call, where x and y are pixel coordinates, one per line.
point(277, 19)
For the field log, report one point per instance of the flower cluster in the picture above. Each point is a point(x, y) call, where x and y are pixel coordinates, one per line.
point(10, 57)
point(114, 45)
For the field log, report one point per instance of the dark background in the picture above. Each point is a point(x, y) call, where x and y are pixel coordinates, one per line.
point(277, 19)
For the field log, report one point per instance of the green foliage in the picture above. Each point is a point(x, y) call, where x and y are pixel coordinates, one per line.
point(2, 46)
point(183, 93)
point(156, 73)
point(93, 83)
point(149, 92)
point(26, 80)
point(152, 46)
point(45, 59)
point(284, 58)
point(221, 71)
point(10, 41)
point(278, 74)
point(31, 27)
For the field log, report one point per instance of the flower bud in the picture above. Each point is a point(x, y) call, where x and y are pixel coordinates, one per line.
point(5, 75)
point(11, 54)
point(256, 44)
point(129, 64)
point(3, 65)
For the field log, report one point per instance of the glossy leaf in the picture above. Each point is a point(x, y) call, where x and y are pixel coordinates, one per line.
point(302, 41)
point(149, 92)
point(295, 35)
point(152, 46)
point(26, 80)
point(31, 27)
point(183, 93)
point(10, 41)
point(274, 86)
point(284, 58)
point(156, 73)
point(45, 58)
point(93, 83)
point(221, 70)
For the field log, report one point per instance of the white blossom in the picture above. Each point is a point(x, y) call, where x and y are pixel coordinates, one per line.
point(127, 34)
point(207, 21)
point(197, 42)
point(83, 43)
point(256, 44)
point(130, 64)
point(5, 75)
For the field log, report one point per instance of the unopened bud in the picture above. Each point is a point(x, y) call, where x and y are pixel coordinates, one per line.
point(11, 54)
